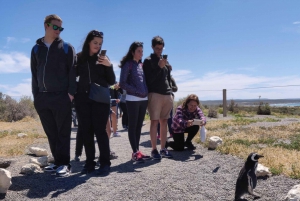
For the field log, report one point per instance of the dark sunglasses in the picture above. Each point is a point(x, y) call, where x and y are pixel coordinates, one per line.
point(55, 27)
point(97, 34)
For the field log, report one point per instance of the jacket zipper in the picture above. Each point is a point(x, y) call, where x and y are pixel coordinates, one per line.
point(89, 71)
point(45, 69)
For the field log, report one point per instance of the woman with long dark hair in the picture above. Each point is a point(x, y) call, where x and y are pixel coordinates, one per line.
point(92, 115)
point(184, 122)
point(132, 79)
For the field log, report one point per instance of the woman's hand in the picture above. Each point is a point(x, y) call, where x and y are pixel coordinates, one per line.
point(104, 61)
point(189, 123)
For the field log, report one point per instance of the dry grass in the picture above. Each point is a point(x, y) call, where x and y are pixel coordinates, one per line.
point(240, 140)
point(10, 145)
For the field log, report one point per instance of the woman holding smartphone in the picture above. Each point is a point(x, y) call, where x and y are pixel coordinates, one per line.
point(92, 115)
point(183, 122)
point(132, 79)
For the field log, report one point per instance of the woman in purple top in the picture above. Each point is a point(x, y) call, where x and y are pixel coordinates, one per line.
point(183, 123)
point(132, 79)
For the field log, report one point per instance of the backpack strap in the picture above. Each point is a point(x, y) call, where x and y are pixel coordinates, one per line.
point(35, 48)
point(66, 47)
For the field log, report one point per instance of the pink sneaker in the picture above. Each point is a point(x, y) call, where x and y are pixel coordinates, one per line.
point(144, 157)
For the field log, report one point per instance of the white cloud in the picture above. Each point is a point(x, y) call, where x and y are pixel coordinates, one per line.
point(210, 86)
point(298, 22)
point(10, 40)
point(18, 90)
point(25, 40)
point(14, 62)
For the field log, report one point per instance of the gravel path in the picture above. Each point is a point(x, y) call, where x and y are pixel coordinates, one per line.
point(192, 175)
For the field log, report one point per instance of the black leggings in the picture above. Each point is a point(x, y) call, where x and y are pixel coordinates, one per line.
point(136, 114)
point(125, 114)
point(92, 118)
point(178, 143)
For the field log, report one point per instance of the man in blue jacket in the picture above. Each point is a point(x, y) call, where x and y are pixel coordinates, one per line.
point(53, 88)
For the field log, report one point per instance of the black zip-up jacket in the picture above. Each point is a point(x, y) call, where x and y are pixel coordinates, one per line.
point(52, 69)
point(157, 79)
point(90, 72)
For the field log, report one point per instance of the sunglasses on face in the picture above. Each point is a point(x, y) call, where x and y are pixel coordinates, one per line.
point(97, 34)
point(55, 27)
point(139, 43)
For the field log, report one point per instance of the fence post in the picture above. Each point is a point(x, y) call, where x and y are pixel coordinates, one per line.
point(224, 103)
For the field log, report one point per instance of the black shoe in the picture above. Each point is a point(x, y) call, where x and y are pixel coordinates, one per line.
point(104, 170)
point(77, 158)
point(189, 145)
point(87, 170)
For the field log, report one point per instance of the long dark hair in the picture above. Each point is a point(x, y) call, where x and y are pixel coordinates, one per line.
point(85, 53)
point(129, 55)
point(189, 98)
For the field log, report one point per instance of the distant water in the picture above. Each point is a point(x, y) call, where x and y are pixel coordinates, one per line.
point(285, 104)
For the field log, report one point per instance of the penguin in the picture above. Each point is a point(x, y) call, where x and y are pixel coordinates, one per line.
point(247, 180)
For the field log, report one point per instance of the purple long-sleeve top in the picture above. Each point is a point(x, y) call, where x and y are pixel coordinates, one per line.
point(132, 79)
point(181, 117)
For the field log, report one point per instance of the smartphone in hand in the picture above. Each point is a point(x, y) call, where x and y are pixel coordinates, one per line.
point(197, 122)
point(165, 56)
point(103, 53)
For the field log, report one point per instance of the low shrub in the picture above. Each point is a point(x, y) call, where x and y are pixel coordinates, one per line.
point(264, 109)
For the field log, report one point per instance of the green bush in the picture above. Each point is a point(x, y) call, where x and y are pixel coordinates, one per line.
point(12, 110)
point(212, 112)
point(264, 109)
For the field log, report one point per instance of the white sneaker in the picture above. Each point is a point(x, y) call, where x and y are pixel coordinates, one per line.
point(63, 170)
point(51, 168)
point(116, 134)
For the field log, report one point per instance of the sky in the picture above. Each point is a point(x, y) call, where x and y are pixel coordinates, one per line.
point(250, 48)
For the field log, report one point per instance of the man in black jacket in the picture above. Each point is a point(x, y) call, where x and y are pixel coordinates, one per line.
point(53, 88)
point(160, 101)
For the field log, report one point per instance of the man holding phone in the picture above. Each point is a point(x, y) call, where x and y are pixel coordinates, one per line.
point(160, 101)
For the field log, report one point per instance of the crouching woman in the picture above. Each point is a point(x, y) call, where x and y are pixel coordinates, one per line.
point(184, 121)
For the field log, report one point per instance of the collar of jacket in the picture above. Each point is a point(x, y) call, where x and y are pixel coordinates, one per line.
point(40, 41)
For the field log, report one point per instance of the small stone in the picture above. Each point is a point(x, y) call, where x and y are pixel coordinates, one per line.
point(30, 168)
point(38, 151)
point(262, 171)
point(293, 194)
point(42, 161)
point(5, 180)
point(214, 142)
point(4, 163)
point(22, 135)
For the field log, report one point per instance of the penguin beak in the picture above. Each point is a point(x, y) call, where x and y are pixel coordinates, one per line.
point(259, 156)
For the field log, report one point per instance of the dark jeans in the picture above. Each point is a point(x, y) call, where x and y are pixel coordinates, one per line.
point(125, 114)
point(79, 142)
point(178, 143)
point(136, 115)
point(54, 109)
point(169, 124)
point(92, 117)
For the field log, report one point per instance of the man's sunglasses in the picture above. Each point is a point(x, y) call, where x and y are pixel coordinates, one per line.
point(55, 27)
point(97, 34)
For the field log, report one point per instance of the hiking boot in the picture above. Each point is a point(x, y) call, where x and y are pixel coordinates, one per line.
point(137, 157)
point(63, 171)
point(103, 170)
point(165, 153)
point(155, 155)
point(51, 168)
point(189, 145)
point(144, 157)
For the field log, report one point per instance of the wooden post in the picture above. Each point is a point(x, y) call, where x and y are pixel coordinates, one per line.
point(224, 103)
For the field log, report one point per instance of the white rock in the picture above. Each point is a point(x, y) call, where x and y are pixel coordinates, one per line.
point(30, 168)
point(22, 135)
point(262, 171)
point(293, 194)
point(51, 159)
point(214, 142)
point(5, 180)
point(42, 161)
point(38, 151)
